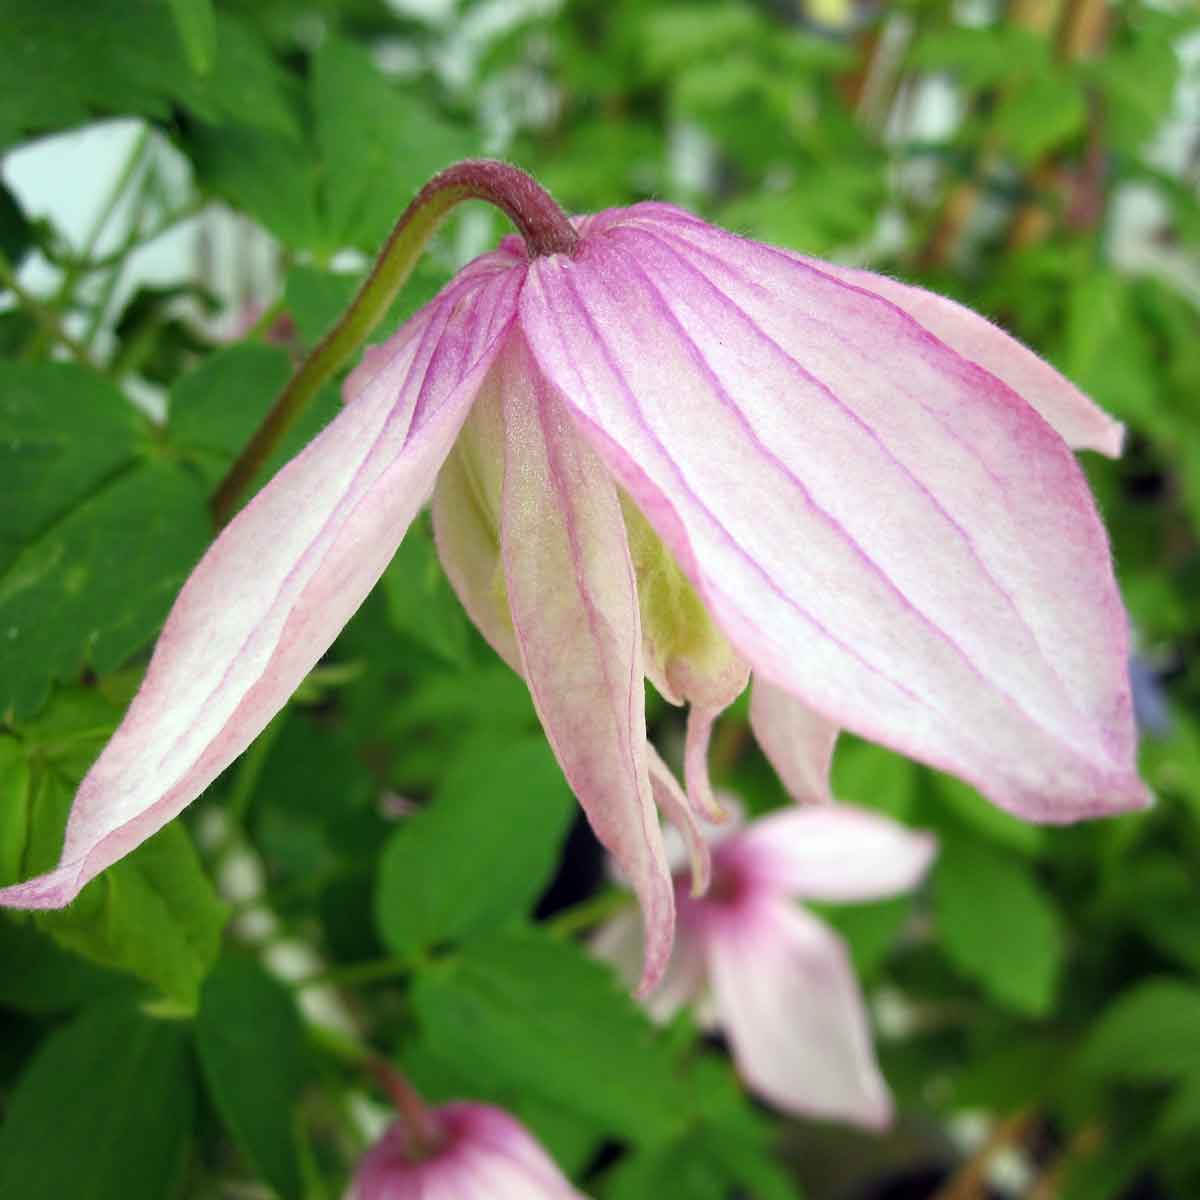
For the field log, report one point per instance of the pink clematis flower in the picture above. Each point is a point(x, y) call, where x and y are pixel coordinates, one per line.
point(773, 977)
point(658, 449)
point(478, 1153)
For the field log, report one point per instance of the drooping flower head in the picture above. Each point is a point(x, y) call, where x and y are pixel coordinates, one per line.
point(771, 975)
point(658, 449)
point(478, 1153)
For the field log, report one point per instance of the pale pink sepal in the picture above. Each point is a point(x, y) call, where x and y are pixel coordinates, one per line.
point(485, 1155)
point(797, 741)
point(700, 796)
point(1079, 421)
point(277, 586)
point(678, 809)
point(573, 598)
point(882, 528)
point(830, 852)
point(786, 996)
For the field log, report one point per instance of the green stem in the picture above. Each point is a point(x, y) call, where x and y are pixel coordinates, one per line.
point(366, 972)
point(541, 222)
point(588, 913)
point(71, 275)
point(47, 319)
point(136, 240)
point(132, 163)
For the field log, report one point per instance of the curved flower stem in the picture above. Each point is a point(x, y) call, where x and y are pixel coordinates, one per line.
point(538, 218)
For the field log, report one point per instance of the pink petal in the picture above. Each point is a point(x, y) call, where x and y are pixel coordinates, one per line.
point(675, 806)
point(797, 741)
point(1080, 422)
point(831, 852)
point(788, 1000)
point(574, 605)
point(883, 529)
point(276, 587)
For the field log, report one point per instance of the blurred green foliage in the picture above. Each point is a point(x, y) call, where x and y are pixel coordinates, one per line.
point(392, 845)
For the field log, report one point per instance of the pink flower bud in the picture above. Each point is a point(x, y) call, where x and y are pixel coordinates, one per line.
point(481, 1153)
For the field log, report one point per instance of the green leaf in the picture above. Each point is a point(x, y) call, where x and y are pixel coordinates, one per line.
point(421, 603)
point(266, 174)
point(677, 35)
point(14, 808)
point(16, 234)
point(104, 1111)
point(44, 762)
point(949, 800)
point(1020, 1070)
point(1138, 81)
point(38, 977)
point(255, 1060)
point(534, 1016)
point(64, 431)
point(1157, 895)
point(866, 774)
point(1180, 1121)
point(217, 406)
point(315, 299)
point(1107, 352)
point(997, 925)
point(1040, 114)
point(870, 930)
point(154, 914)
point(377, 143)
point(981, 57)
point(78, 59)
point(726, 1151)
point(678, 1169)
point(1150, 1034)
point(506, 801)
point(94, 587)
point(197, 26)
point(312, 809)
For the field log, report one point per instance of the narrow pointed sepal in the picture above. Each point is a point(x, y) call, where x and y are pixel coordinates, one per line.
point(797, 741)
point(274, 590)
point(700, 795)
point(573, 598)
point(680, 812)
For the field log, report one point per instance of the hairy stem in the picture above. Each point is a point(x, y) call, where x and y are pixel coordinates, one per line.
point(540, 222)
